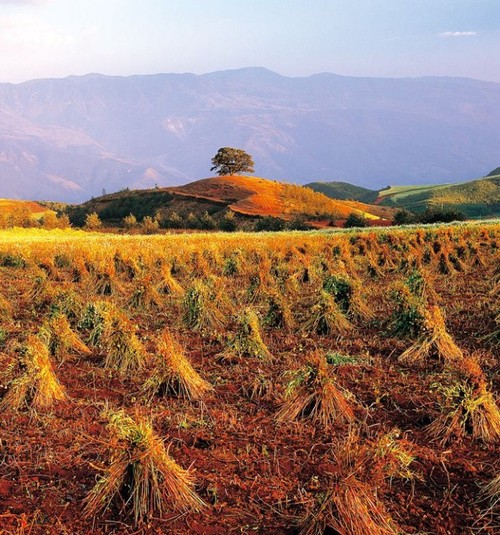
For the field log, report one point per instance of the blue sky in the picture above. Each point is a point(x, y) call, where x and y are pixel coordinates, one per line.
point(387, 38)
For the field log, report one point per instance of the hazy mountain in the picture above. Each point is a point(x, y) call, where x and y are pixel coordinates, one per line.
point(68, 139)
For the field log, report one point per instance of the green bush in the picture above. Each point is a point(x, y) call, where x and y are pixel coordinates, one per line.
point(269, 223)
point(355, 220)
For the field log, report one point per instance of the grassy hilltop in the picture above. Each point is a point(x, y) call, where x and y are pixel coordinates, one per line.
point(246, 197)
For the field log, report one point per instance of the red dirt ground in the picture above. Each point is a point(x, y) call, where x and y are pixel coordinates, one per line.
point(255, 475)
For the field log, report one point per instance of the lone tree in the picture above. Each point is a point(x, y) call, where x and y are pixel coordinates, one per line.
point(229, 161)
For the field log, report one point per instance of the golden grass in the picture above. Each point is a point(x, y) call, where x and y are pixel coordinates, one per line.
point(32, 381)
point(174, 373)
point(313, 393)
point(467, 409)
point(61, 339)
point(141, 477)
point(350, 507)
point(434, 340)
point(247, 342)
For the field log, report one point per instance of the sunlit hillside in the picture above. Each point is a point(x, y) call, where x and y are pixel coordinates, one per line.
point(259, 196)
point(17, 212)
point(477, 198)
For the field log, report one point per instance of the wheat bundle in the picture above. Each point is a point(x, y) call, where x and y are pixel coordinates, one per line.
point(434, 339)
point(142, 475)
point(174, 373)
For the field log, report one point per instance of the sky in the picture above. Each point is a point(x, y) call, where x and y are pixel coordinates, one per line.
point(376, 38)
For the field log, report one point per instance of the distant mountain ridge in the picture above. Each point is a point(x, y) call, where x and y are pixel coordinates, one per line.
point(68, 139)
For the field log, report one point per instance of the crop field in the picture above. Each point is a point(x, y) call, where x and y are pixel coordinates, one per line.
point(398, 192)
point(312, 383)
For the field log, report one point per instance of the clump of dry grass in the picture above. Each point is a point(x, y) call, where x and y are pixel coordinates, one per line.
point(247, 342)
point(351, 504)
point(145, 295)
point(390, 457)
point(113, 333)
point(279, 314)
point(348, 295)
point(420, 284)
point(42, 291)
point(326, 317)
point(5, 308)
point(467, 408)
point(31, 380)
point(350, 507)
point(103, 279)
point(490, 494)
point(434, 339)
point(142, 477)
point(62, 341)
point(411, 297)
point(174, 373)
point(494, 336)
point(313, 393)
point(204, 307)
point(168, 284)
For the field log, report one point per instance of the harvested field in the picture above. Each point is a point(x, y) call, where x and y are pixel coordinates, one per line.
point(288, 383)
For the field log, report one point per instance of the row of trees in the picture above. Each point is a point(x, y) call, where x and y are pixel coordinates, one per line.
point(228, 222)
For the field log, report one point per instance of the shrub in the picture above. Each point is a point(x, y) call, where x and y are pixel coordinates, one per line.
point(269, 223)
point(404, 217)
point(228, 223)
point(356, 220)
point(92, 221)
point(149, 225)
point(434, 215)
point(130, 221)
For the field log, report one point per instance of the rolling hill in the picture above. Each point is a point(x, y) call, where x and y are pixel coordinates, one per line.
point(18, 211)
point(344, 191)
point(477, 198)
point(243, 195)
point(68, 139)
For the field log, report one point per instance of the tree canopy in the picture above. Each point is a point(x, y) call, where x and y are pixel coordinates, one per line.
point(230, 161)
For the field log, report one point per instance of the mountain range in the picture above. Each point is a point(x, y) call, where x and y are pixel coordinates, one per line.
point(70, 139)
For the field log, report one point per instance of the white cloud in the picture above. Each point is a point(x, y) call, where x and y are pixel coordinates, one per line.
point(457, 34)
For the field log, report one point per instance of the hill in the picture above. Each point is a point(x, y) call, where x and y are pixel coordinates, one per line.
point(17, 212)
point(344, 191)
point(243, 195)
point(69, 139)
point(477, 198)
